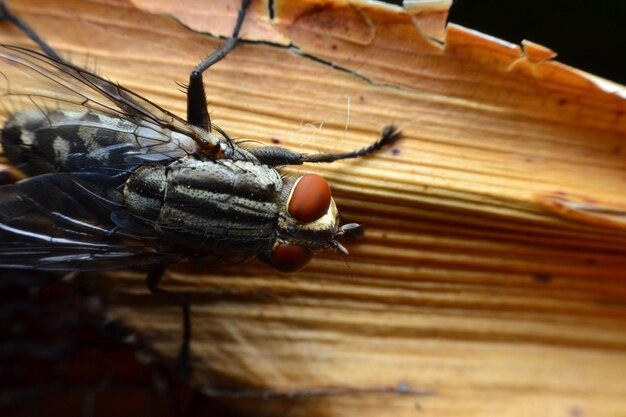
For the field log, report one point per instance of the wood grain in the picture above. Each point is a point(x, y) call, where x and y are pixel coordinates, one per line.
point(491, 275)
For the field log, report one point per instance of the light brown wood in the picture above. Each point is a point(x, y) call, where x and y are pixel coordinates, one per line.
point(491, 276)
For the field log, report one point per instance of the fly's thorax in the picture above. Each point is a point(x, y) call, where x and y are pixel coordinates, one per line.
point(213, 207)
point(308, 222)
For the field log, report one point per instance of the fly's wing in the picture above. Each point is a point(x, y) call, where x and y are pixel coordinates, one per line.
point(60, 222)
point(32, 80)
point(85, 136)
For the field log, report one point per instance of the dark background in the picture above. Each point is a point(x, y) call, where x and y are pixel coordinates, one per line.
point(589, 35)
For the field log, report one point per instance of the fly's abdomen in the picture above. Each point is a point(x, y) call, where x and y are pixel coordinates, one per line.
point(61, 140)
point(144, 192)
point(211, 206)
point(75, 141)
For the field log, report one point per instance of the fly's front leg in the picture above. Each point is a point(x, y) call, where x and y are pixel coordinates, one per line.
point(152, 282)
point(276, 156)
point(6, 14)
point(197, 112)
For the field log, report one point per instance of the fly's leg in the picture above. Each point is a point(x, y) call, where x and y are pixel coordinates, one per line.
point(197, 112)
point(276, 156)
point(152, 282)
point(5, 14)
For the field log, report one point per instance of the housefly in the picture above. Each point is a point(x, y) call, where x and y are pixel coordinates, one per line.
point(112, 180)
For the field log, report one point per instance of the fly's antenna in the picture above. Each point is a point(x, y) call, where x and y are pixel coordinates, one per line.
point(339, 232)
point(338, 247)
point(343, 252)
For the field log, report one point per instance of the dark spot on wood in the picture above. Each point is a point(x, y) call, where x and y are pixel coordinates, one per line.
point(395, 151)
point(576, 411)
point(275, 141)
point(617, 149)
point(333, 47)
point(591, 261)
point(543, 278)
point(563, 101)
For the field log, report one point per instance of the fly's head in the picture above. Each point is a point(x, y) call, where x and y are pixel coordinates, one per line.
point(308, 223)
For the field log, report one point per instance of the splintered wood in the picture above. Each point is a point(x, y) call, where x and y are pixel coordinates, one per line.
point(490, 278)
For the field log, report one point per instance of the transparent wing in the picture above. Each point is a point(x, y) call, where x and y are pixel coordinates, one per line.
point(30, 80)
point(62, 222)
point(81, 136)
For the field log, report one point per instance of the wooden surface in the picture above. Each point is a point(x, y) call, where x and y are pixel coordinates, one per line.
point(491, 275)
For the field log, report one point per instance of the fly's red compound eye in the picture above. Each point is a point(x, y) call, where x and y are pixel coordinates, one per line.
point(310, 198)
point(290, 258)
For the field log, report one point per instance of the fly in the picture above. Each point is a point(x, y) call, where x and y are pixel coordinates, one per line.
point(115, 181)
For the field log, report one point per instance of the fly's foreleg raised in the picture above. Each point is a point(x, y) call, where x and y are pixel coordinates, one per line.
point(197, 112)
point(277, 156)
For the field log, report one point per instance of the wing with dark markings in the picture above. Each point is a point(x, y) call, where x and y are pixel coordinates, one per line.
point(43, 77)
